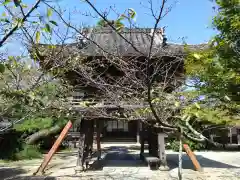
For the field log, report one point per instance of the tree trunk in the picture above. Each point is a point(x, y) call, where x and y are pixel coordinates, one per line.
point(32, 139)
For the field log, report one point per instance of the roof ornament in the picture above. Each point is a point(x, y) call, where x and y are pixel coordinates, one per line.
point(83, 37)
point(164, 43)
point(159, 37)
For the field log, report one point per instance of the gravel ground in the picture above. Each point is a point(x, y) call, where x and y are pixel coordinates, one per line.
point(122, 163)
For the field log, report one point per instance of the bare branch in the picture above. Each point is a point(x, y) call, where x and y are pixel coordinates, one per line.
point(19, 24)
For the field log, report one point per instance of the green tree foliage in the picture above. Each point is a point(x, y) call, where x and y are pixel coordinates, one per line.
point(17, 15)
point(25, 89)
point(35, 124)
point(117, 23)
point(216, 71)
point(129, 16)
point(33, 101)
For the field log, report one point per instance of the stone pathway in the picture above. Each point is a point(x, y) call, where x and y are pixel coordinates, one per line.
point(123, 163)
point(119, 164)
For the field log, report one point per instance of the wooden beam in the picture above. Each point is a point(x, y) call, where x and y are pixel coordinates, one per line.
point(54, 148)
point(109, 107)
point(192, 157)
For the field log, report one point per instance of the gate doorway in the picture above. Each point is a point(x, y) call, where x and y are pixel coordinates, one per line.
point(120, 130)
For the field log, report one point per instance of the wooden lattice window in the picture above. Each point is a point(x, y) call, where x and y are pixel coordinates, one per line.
point(114, 125)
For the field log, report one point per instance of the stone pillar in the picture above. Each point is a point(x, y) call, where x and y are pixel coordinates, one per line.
point(212, 137)
point(230, 135)
point(138, 130)
point(238, 138)
point(161, 152)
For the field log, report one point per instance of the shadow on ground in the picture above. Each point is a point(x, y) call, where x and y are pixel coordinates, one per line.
point(128, 156)
point(204, 162)
point(32, 178)
point(7, 173)
point(10, 172)
point(123, 156)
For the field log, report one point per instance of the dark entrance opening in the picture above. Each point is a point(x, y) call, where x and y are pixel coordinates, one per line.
point(120, 130)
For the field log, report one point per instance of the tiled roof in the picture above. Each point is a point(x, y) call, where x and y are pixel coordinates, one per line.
point(108, 41)
point(128, 42)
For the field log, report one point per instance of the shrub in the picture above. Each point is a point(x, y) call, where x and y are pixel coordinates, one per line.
point(29, 152)
point(174, 145)
point(34, 124)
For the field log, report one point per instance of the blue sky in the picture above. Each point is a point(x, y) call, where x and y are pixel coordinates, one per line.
point(189, 19)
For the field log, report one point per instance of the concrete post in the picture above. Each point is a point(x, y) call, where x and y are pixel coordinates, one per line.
point(230, 135)
point(161, 152)
point(138, 130)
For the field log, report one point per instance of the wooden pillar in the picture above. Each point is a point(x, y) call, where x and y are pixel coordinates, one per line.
point(142, 139)
point(161, 149)
point(85, 143)
point(149, 139)
point(154, 144)
point(152, 141)
point(88, 141)
point(91, 133)
point(98, 138)
point(79, 166)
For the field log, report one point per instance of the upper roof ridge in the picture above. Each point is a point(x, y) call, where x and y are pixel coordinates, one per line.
point(124, 30)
